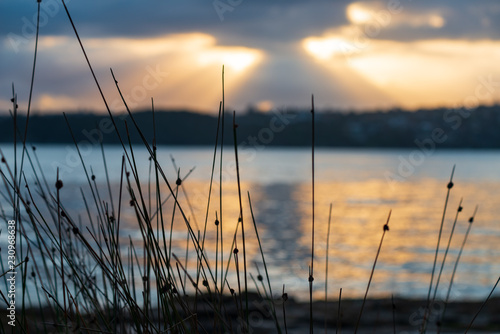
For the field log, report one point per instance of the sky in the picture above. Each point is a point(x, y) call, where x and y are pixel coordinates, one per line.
point(352, 55)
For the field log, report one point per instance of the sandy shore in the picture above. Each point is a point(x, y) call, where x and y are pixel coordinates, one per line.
point(379, 316)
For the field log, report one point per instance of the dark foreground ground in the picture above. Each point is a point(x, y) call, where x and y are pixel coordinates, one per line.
point(405, 316)
point(379, 316)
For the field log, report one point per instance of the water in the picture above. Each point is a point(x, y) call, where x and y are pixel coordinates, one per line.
point(362, 185)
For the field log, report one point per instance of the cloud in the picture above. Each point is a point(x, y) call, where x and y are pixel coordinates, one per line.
point(394, 14)
point(54, 102)
point(446, 19)
point(181, 70)
point(275, 52)
point(415, 74)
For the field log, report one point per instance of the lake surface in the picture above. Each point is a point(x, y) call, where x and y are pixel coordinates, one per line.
point(362, 185)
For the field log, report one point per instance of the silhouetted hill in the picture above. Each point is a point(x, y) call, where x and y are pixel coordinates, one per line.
point(452, 128)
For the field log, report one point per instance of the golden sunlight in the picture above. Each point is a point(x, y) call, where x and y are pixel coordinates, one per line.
point(436, 21)
point(238, 59)
point(382, 14)
point(416, 74)
point(171, 68)
point(357, 13)
point(325, 48)
point(48, 102)
point(427, 70)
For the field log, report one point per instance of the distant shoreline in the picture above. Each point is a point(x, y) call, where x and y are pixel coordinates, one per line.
point(280, 147)
point(424, 130)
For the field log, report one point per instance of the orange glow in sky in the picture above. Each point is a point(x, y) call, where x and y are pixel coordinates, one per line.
point(421, 73)
point(191, 67)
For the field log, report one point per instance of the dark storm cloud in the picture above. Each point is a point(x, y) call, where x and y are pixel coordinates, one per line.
point(257, 20)
point(250, 23)
point(463, 20)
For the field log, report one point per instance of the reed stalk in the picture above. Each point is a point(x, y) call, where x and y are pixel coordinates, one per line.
point(427, 308)
point(386, 228)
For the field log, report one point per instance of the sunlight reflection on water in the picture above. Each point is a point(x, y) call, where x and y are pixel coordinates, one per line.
point(355, 182)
